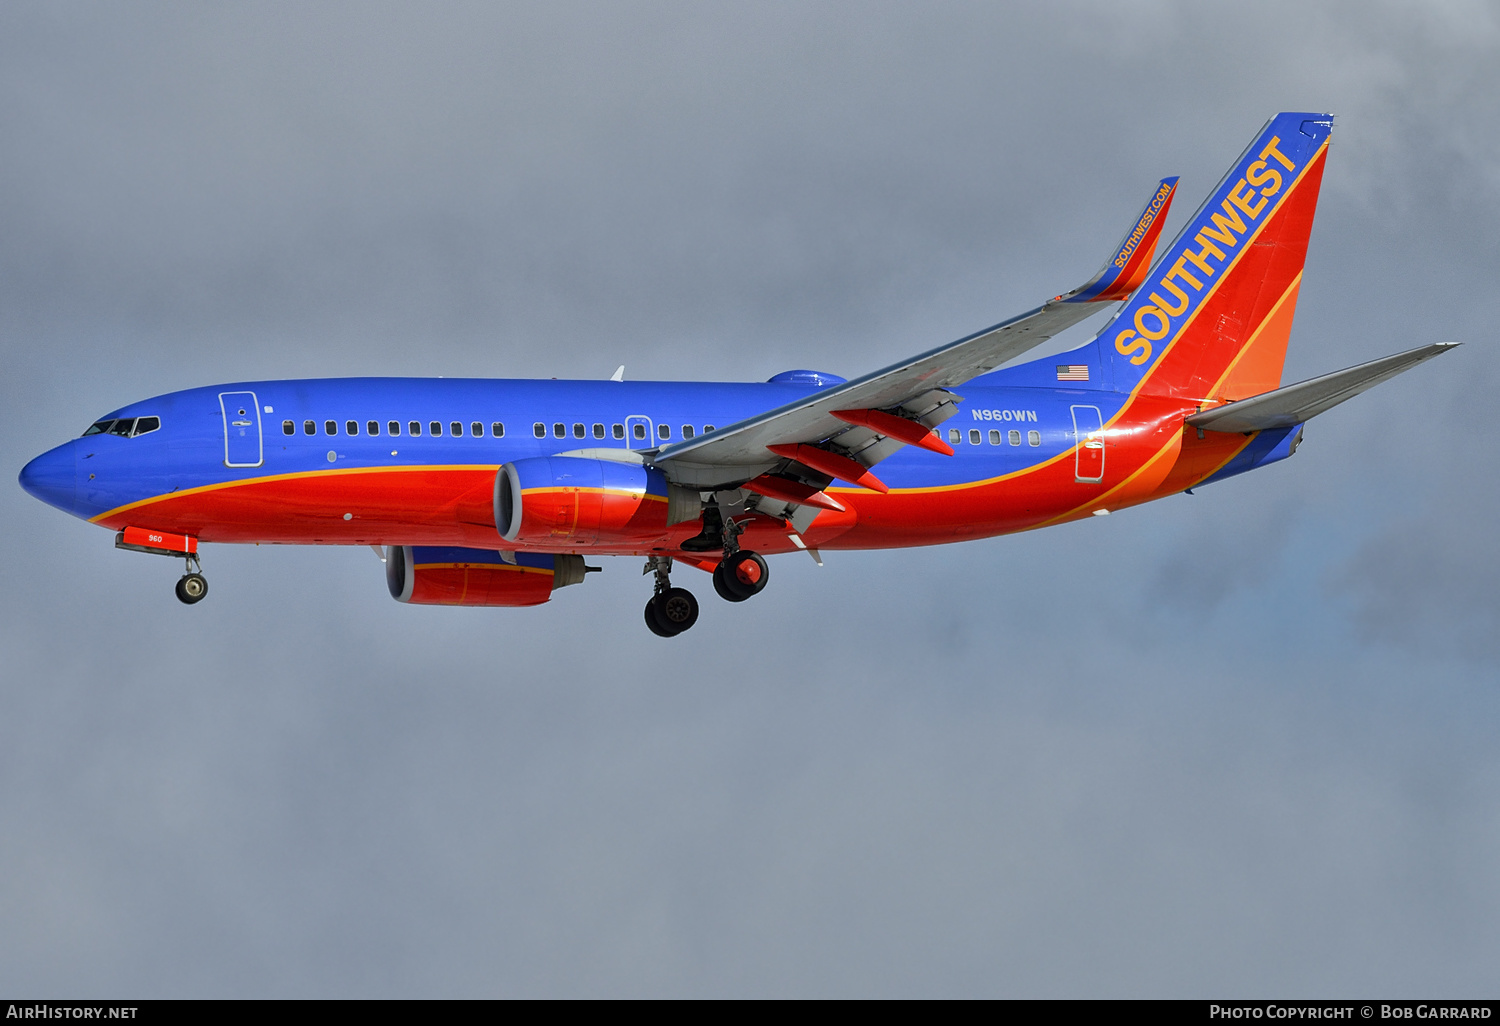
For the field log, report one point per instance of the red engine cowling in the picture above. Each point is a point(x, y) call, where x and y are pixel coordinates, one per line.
point(432, 575)
point(570, 501)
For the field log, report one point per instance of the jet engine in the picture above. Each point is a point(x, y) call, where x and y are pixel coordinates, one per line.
point(573, 501)
point(440, 576)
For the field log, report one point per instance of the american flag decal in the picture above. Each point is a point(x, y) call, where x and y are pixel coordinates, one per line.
point(1072, 372)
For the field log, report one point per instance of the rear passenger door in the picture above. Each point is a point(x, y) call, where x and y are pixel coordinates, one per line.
point(1088, 431)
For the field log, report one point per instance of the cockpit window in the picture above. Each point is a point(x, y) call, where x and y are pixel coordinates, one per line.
point(98, 428)
point(122, 427)
point(145, 425)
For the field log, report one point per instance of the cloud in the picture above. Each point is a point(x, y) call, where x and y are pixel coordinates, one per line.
point(1232, 743)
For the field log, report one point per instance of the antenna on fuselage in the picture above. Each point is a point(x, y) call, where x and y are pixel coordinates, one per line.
point(619, 374)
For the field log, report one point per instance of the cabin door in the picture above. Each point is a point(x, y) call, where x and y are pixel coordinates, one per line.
point(638, 433)
point(242, 444)
point(1088, 430)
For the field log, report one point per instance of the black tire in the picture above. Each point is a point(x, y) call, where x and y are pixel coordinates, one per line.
point(192, 588)
point(653, 623)
point(747, 564)
point(729, 592)
point(676, 610)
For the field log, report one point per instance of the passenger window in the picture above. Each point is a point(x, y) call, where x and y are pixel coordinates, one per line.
point(687, 431)
point(539, 429)
point(435, 428)
point(639, 430)
point(372, 427)
point(351, 427)
point(955, 436)
point(456, 429)
point(974, 437)
point(994, 437)
point(97, 428)
point(663, 431)
point(578, 431)
point(560, 430)
point(122, 427)
point(707, 428)
point(393, 428)
point(414, 428)
point(598, 430)
point(146, 425)
point(497, 429)
point(330, 427)
point(1015, 438)
point(476, 429)
point(288, 428)
point(1034, 437)
point(619, 430)
point(309, 427)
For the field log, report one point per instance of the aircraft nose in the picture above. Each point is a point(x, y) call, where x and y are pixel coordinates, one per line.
point(53, 477)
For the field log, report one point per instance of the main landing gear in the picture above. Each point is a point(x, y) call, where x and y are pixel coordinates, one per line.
point(193, 587)
point(671, 610)
point(741, 575)
point(738, 576)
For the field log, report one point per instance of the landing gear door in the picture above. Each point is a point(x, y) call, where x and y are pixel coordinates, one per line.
point(242, 442)
point(1088, 430)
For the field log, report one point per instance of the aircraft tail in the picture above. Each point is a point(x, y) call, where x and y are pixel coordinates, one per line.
point(1213, 317)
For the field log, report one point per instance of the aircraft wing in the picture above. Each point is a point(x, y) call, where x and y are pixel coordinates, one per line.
point(913, 391)
point(1295, 404)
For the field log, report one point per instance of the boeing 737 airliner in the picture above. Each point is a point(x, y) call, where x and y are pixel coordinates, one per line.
point(494, 492)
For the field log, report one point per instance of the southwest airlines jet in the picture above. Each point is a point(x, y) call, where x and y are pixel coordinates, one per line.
point(495, 492)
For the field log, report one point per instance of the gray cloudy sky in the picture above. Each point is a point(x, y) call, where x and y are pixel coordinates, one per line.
point(1240, 743)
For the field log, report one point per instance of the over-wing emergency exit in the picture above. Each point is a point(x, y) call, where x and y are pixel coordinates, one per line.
point(496, 492)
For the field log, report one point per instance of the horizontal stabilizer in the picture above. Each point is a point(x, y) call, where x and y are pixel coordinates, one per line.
point(1297, 403)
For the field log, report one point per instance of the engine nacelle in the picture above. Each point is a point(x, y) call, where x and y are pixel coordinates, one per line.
point(440, 576)
point(571, 501)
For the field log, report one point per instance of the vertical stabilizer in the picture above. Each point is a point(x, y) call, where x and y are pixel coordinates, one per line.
point(1212, 319)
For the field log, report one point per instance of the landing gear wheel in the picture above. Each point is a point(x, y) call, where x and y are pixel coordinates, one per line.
point(726, 591)
point(192, 588)
point(741, 575)
point(653, 623)
point(675, 611)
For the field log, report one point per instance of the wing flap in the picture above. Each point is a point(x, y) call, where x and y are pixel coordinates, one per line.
point(1295, 404)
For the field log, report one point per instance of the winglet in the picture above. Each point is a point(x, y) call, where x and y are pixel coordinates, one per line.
point(1123, 273)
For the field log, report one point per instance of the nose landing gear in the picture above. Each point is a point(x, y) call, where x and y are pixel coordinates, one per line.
point(193, 587)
